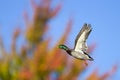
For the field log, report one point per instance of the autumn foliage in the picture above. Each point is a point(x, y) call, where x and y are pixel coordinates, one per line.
point(35, 60)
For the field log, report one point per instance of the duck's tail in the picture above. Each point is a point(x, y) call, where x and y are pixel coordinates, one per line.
point(90, 58)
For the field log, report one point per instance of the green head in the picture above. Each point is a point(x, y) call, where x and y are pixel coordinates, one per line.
point(63, 47)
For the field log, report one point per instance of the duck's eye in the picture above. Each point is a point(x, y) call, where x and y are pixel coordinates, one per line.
point(62, 46)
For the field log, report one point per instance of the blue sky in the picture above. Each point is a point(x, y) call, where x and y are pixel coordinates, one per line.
point(103, 15)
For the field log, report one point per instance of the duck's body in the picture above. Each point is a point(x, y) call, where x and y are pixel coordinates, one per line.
point(81, 55)
point(80, 47)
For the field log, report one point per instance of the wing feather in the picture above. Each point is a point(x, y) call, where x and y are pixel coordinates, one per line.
point(80, 41)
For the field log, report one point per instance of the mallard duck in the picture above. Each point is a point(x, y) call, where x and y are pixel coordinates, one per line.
point(80, 47)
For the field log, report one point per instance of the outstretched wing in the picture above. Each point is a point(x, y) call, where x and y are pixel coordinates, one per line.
point(80, 42)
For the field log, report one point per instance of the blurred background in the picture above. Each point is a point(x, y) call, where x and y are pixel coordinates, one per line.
point(31, 30)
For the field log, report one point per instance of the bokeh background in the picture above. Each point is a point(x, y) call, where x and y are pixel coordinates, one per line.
point(103, 15)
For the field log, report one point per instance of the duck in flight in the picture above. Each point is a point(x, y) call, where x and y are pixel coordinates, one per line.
point(80, 47)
